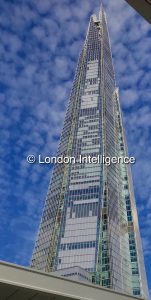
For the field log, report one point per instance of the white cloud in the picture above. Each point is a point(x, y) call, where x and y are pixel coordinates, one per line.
point(129, 97)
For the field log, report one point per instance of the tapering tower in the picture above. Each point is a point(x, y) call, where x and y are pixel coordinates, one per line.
point(90, 219)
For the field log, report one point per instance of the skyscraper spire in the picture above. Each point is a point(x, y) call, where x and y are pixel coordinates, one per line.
point(101, 10)
point(101, 5)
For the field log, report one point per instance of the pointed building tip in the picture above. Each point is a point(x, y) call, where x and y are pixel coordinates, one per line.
point(101, 5)
point(101, 9)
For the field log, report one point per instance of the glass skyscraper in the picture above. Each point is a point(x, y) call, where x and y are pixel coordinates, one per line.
point(90, 218)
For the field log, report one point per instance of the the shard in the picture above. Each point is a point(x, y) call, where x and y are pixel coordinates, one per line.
point(90, 218)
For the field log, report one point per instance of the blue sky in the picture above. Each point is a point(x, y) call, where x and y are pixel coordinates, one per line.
point(40, 42)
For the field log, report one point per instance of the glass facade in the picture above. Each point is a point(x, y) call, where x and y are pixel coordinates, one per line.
point(90, 219)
